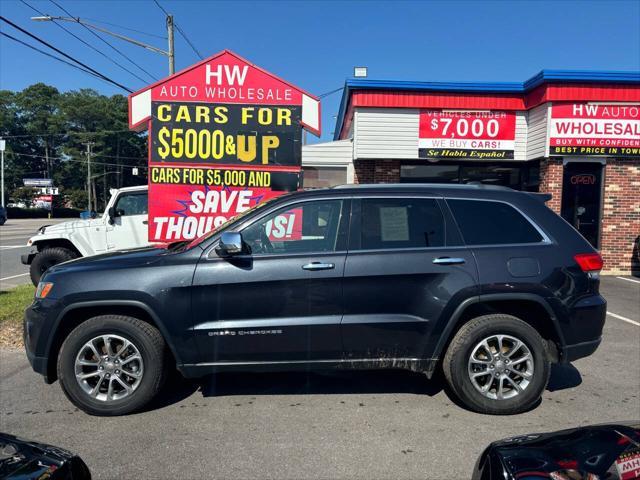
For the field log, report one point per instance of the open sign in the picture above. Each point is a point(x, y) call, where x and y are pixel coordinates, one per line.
point(583, 179)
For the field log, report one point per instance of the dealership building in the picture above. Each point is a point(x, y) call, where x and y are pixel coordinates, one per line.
point(575, 135)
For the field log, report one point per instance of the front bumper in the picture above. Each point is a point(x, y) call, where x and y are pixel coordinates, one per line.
point(27, 258)
point(39, 319)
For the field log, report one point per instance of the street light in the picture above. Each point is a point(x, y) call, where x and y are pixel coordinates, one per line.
point(169, 53)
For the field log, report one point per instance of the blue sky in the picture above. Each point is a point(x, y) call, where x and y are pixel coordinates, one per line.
point(315, 44)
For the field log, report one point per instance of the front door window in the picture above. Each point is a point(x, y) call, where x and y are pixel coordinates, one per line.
point(308, 227)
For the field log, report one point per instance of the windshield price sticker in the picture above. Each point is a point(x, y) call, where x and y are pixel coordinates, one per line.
point(592, 130)
point(260, 135)
point(466, 134)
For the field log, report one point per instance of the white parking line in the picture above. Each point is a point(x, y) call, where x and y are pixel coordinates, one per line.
point(14, 276)
point(9, 247)
point(629, 279)
point(624, 319)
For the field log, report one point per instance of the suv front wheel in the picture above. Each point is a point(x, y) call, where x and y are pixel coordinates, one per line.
point(47, 258)
point(497, 364)
point(112, 365)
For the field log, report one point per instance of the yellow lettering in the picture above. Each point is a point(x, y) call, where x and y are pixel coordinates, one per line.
point(269, 142)
point(183, 114)
point(221, 114)
point(247, 113)
point(202, 114)
point(163, 113)
point(284, 116)
point(246, 149)
point(265, 116)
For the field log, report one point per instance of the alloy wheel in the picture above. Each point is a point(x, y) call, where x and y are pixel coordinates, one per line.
point(501, 367)
point(109, 368)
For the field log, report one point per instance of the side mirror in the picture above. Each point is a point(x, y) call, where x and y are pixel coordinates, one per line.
point(230, 244)
point(112, 214)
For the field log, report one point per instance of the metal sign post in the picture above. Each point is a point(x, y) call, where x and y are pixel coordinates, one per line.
point(2, 146)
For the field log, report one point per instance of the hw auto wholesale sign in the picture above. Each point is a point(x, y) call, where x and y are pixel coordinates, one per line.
point(224, 135)
point(466, 134)
point(593, 130)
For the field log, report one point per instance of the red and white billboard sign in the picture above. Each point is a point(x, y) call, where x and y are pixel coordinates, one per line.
point(224, 135)
point(593, 130)
point(466, 134)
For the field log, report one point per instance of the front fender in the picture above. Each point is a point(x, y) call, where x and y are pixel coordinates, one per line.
point(77, 241)
point(105, 304)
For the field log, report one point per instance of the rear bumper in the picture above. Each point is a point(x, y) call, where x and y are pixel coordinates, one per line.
point(569, 353)
point(583, 331)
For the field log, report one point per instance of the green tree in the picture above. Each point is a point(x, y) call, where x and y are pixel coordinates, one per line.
point(47, 132)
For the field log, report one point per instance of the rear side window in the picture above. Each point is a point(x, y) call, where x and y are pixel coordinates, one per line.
point(492, 223)
point(401, 223)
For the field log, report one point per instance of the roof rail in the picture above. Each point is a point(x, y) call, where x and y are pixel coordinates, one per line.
point(408, 186)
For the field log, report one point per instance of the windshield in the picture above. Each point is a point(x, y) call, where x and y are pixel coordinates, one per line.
point(227, 224)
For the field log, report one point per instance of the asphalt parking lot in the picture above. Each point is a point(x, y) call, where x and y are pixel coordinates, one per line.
point(349, 425)
point(13, 243)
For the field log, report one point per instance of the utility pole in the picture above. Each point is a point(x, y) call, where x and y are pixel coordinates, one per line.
point(2, 145)
point(172, 60)
point(170, 53)
point(89, 145)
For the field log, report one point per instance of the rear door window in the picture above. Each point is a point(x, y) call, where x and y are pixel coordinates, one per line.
point(389, 223)
point(492, 223)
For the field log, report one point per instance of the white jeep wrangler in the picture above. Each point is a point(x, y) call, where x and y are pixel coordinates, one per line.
point(122, 226)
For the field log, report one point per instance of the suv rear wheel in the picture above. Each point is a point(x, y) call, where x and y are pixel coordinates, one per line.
point(47, 258)
point(497, 364)
point(112, 365)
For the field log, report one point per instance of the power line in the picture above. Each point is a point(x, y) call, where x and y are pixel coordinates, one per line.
point(181, 32)
point(104, 41)
point(48, 55)
point(103, 132)
point(70, 159)
point(127, 28)
point(86, 43)
point(326, 94)
point(38, 39)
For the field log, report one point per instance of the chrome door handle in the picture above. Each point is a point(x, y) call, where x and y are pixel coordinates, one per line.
point(318, 266)
point(448, 261)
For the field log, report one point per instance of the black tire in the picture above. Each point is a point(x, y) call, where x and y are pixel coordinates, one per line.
point(2, 220)
point(146, 338)
point(456, 370)
point(47, 258)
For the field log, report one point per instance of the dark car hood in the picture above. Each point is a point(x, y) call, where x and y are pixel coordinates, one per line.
point(22, 459)
point(612, 449)
point(117, 259)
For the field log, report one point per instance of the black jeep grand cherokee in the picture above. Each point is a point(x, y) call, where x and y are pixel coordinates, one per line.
point(486, 282)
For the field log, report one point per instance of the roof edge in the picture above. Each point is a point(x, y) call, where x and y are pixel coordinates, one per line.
point(542, 77)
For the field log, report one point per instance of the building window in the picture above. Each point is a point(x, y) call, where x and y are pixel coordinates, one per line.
point(518, 176)
point(323, 177)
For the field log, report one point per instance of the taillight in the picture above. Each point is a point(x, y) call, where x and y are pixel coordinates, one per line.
point(589, 262)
